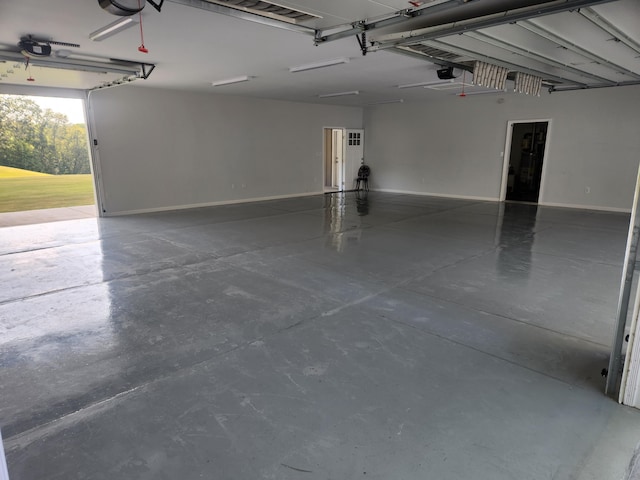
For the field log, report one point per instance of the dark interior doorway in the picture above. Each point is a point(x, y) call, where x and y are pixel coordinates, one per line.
point(528, 141)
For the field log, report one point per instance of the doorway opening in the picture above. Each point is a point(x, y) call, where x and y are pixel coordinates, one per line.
point(524, 161)
point(333, 159)
point(343, 155)
point(45, 160)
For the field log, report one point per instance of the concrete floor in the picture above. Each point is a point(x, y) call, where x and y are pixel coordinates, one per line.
point(30, 217)
point(328, 337)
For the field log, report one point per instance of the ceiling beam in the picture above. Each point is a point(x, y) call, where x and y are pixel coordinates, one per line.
point(507, 16)
point(407, 51)
point(612, 30)
point(590, 87)
point(463, 52)
point(252, 17)
point(491, 40)
point(401, 16)
point(121, 67)
point(544, 33)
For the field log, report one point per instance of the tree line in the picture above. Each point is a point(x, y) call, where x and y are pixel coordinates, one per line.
point(40, 141)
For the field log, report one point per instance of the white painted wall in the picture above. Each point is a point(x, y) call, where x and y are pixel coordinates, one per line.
point(453, 146)
point(162, 149)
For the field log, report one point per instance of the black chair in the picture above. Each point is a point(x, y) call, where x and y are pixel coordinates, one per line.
point(363, 177)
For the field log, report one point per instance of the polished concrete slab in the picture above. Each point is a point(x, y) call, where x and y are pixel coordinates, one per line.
point(336, 336)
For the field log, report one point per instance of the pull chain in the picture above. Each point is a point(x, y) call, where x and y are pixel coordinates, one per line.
point(141, 48)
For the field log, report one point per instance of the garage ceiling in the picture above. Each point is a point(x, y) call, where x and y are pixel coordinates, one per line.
point(192, 43)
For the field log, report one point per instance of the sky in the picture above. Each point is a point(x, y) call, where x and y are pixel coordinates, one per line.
point(71, 107)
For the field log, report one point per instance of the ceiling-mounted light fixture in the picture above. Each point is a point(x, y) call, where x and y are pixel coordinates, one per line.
point(482, 92)
point(385, 102)
point(339, 94)
point(448, 86)
point(313, 66)
point(113, 28)
point(230, 81)
point(426, 84)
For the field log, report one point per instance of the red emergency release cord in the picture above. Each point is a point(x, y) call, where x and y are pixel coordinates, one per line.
point(141, 48)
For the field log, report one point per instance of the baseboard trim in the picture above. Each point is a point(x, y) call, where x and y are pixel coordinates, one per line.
point(585, 207)
point(384, 190)
point(208, 204)
point(430, 194)
point(495, 199)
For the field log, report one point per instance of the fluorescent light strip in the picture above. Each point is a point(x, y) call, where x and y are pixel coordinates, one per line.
point(448, 86)
point(426, 84)
point(339, 94)
point(230, 81)
point(484, 92)
point(384, 102)
point(113, 28)
point(313, 66)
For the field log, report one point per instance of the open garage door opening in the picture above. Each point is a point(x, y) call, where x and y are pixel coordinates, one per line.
point(45, 167)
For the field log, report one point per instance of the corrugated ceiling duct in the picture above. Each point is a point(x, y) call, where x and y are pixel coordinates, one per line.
point(490, 76)
point(527, 84)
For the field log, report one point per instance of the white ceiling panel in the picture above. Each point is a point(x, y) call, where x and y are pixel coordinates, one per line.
point(530, 45)
point(497, 53)
point(334, 12)
point(578, 30)
point(624, 14)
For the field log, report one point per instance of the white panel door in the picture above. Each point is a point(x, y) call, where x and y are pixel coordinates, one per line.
point(337, 159)
point(353, 156)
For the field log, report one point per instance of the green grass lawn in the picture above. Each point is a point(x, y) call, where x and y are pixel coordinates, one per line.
point(10, 172)
point(32, 192)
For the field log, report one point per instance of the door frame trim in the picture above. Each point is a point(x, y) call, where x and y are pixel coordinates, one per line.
point(94, 155)
point(324, 156)
point(506, 154)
